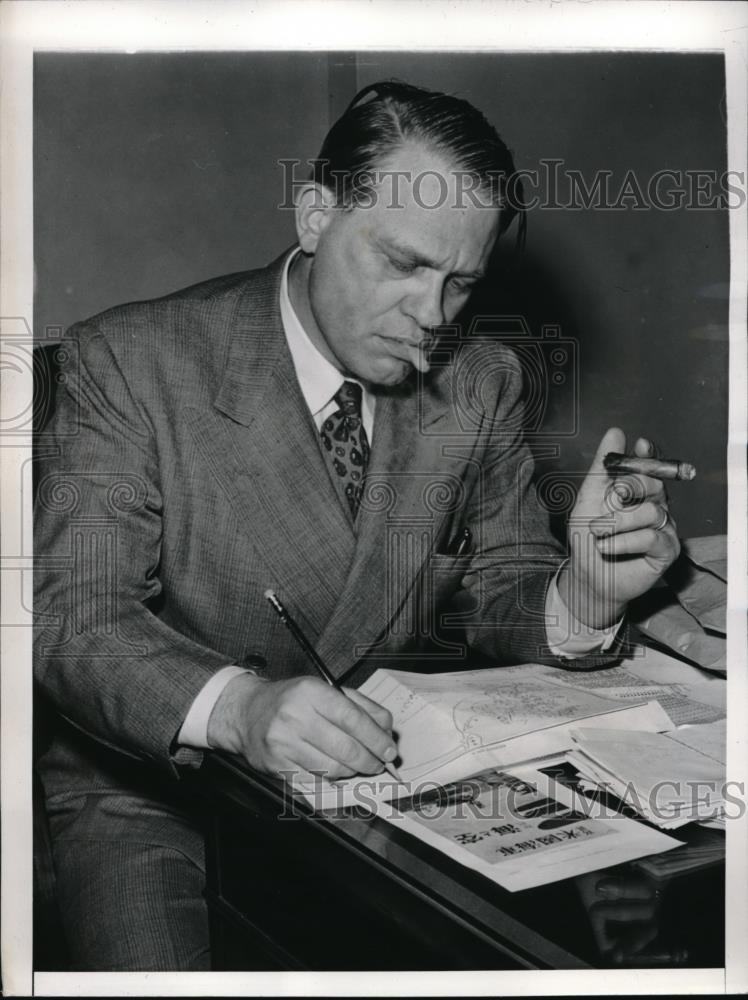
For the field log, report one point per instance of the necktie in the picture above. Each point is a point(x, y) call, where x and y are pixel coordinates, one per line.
point(345, 444)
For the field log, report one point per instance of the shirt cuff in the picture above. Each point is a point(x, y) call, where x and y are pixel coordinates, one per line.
point(567, 636)
point(194, 731)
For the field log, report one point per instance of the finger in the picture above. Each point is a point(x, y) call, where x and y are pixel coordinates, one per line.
point(645, 515)
point(295, 752)
point(597, 480)
point(324, 717)
point(347, 754)
point(350, 720)
point(380, 715)
point(612, 440)
point(645, 541)
point(625, 491)
point(644, 448)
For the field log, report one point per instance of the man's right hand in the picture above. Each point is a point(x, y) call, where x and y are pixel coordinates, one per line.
point(301, 725)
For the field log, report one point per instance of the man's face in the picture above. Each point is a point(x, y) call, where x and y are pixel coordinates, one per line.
point(383, 277)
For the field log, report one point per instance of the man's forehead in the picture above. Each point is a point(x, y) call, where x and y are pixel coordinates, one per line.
point(434, 233)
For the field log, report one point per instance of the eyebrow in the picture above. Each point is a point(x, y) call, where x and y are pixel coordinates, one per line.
point(421, 260)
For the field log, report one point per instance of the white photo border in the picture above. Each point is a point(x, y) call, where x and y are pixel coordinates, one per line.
point(27, 26)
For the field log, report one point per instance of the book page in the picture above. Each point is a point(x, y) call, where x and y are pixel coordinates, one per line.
point(448, 725)
point(440, 718)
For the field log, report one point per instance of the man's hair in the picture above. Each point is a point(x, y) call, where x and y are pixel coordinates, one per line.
point(383, 116)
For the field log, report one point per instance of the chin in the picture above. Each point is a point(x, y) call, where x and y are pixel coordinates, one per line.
point(390, 372)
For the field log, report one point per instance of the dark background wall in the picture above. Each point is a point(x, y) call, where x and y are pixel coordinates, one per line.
point(153, 171)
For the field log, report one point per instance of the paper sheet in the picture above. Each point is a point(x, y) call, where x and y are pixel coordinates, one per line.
point(686, 693)
point(645, 666)
point(706, 599)
point(683, 703)
point(709, 552)
point(661, 668)
point(449, 725)
point(704, 847)
point(670, 782)
point(711, 739)
point(443, 719)
point(455, 723)
point(512, 826)
point(675, 627)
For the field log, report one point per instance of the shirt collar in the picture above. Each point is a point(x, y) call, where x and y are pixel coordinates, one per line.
point(319, 380)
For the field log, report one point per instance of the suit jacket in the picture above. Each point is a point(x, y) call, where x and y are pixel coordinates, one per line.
point(185, 476)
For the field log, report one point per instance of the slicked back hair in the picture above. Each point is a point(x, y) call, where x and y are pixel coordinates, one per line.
point(382, 117)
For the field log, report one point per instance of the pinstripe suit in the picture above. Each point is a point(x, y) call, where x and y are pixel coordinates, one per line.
point(189, 477)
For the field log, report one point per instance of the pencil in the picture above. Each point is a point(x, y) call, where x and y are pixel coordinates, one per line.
point(659, 468)
point(315, 658)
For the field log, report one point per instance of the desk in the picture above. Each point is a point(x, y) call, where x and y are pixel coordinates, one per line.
point(288, 889)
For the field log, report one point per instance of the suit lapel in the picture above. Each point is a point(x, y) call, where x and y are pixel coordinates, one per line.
point(262, 444)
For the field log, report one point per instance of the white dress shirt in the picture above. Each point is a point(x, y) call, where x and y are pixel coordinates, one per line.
point(319, 381)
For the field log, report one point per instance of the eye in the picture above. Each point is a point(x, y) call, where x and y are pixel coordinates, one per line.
point(402, 266)
point(461, 286)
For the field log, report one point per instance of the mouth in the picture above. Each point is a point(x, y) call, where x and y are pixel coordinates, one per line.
point(413, 352)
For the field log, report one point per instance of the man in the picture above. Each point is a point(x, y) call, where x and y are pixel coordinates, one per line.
point(298, 428)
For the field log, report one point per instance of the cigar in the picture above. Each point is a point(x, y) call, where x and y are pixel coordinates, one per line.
point(659, 468)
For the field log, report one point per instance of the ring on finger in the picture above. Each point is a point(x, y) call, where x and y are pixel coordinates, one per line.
point(664, 521)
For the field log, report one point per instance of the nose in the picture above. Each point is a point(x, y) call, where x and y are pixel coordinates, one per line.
point(425, 302)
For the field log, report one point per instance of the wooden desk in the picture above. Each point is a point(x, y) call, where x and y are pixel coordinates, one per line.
point(288, 889)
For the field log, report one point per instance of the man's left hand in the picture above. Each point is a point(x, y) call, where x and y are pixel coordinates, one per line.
point(619, 545)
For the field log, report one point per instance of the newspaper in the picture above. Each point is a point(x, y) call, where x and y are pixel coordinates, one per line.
point(518, 829)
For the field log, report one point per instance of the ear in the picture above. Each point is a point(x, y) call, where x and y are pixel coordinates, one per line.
point(315, 205)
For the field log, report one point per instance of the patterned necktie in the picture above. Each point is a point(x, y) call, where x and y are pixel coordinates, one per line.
point(345, 443)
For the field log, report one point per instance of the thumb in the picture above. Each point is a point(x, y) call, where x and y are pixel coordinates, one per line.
point(597, 481)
